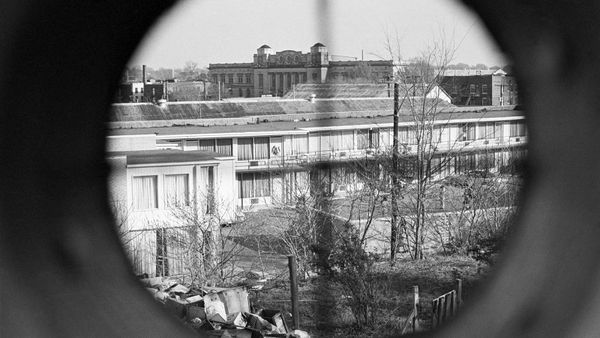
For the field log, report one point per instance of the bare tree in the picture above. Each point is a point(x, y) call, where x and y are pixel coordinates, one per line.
point(416, 80)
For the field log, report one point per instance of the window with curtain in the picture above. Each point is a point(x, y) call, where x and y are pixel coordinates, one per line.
point(499, 130)
point(362, 139)
point(374, 138)
point(224, 146)
point(326, 141)
point(207, 145)
point(176, 190)
point(244, 148)
point(262, 185)
point(261, 148)
point(467, 132)
point(517, 128)
point(314, 142)
point(347, 140)
point(246, 185)
point(254, 185)
point(144, 192)
point(206, 186)
point(299, 144)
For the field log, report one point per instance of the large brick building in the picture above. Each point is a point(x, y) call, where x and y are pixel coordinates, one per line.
point(275, 73)
point(481, 87)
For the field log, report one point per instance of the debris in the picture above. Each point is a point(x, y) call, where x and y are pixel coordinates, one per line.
point(177, 288)
point(234, 299)
point(275, 317)
point(220, 312)
point(236, 319)
point(215, 309)
point(194, 299)
point(258, 323)
point(300, 334)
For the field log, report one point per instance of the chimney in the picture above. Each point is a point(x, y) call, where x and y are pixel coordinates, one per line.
point(144, 74)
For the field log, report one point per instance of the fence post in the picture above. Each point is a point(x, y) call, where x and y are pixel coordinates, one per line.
point(434, 313)
point(458, 292)
point(294, 291)
point(415, 321)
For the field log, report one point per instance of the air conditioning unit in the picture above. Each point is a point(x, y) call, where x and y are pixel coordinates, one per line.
point(486, 142)
point(342, 154)
point(254, 163)
point(370, 151)
point(518, 139)
point(254, 201)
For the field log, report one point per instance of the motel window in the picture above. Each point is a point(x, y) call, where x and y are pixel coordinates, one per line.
point(240, 78)
point(248, 78)
point(253, 185)
point(222, 78)
point(484, 101)
point(485, 131)
point(261, 148)
point(230, 78)
point(144, 192)
point(244, 146)
point(362, 139)
point(206, 185)
point(472, 89)
point(206, 145)
point(467, 132)
point(224, 146)
point(176, 190)
point(517, 128)
point(499, 130)
point(253, 148)
point(407, 135)
point(373, 138)
point(484, 89)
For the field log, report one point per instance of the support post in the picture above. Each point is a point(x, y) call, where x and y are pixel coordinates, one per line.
point(458, 292)
point(294, 292)
point(395, 192)
point(415, 320)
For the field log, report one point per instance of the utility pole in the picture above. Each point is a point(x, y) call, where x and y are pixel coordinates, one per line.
point(219, 92)
point(395, 192)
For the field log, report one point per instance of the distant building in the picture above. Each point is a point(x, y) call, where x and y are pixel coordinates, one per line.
point(130, 92)
point(481, 87)
point(365, 90)
point(275, 73)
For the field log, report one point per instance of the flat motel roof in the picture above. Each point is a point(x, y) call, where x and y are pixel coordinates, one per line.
point(166, 156)
point(302, 127)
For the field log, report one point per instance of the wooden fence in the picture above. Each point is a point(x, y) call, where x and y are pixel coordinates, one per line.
point(446, 305)
point(411, 324)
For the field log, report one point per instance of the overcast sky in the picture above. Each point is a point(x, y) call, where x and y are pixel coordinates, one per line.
point(213, 31)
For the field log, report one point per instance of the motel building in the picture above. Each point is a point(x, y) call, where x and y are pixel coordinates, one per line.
point(246, 154)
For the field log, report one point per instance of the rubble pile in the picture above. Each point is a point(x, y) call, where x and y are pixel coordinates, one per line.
point(219, 312)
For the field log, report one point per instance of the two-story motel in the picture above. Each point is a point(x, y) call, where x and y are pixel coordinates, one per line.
point(256, 153)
